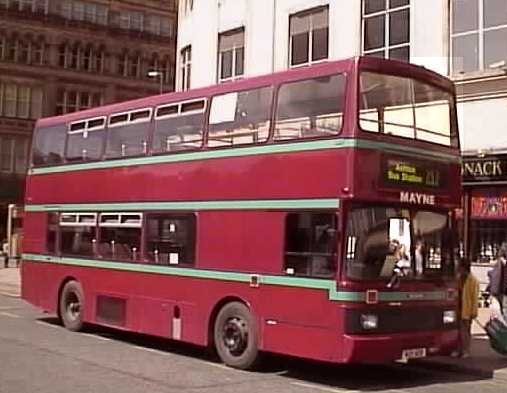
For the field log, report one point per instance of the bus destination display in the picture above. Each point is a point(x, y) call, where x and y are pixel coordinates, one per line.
point(402, 172)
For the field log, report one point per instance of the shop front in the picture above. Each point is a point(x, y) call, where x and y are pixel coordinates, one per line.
point(484, 216)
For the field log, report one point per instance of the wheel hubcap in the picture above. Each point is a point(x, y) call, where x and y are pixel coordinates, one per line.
point(73, 306)
point(235, 336)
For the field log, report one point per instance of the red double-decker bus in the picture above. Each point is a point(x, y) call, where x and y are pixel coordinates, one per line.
point(307, 212)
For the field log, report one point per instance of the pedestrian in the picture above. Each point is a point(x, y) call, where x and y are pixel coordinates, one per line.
point(497, 286)
point(467, 307)
point(420, 256)
point(401, 267)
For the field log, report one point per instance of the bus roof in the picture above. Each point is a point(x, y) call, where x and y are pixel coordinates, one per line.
point(346, 65)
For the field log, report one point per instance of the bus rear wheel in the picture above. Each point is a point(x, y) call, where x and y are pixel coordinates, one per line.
point(71, 306)
point(235, 336)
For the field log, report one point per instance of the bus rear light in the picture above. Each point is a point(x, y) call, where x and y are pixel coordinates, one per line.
point(371, 296)
point(369, 321)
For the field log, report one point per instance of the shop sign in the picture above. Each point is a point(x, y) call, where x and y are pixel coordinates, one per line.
point(484, 169)
point(489, 207)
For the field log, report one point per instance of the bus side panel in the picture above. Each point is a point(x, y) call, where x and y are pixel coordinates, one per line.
point(151, 301)
point(34, 227)
point(309, 174)
point(40, 283)
point(299, 322)
point(249, 241)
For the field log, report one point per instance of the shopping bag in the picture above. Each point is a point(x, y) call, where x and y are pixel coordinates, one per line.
point(497, 333)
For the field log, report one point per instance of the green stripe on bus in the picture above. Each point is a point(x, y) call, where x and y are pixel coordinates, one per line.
point(339, 143)
point(202, 205)
point(286, 281)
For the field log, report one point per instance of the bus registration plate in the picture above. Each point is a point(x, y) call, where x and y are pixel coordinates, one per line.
point(414, 353)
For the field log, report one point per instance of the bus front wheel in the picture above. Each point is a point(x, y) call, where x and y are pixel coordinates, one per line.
point(72, 306)
point(235, 336)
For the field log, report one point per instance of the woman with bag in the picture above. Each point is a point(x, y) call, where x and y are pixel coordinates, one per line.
point(468, 306)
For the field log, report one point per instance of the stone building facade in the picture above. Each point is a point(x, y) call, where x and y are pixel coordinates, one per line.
point(59, 56)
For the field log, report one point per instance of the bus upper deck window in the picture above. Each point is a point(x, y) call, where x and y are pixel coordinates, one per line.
point(179, 126)
point(311, 108)
point(240, 118)
point(406, 107)
point(48, 145)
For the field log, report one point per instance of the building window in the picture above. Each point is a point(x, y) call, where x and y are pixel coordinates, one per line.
point(309, 36)
point(153, 23)
point(231, 55)
point(71, 100)
point(80, 57)
point(13, 154)
point(162, 65)
point(310, 244)
point(7, 154)
point(131, 20)
point(170, 239)
point(386, 29)
point(129, 65)
point(64, 55)
point(39, 52)
point(159, 25)
point(12, 49)
point(36, 6)
point(167, 27)
point(479, 31)
point(188, 6)
point(186, 67)
point(26, 50)
point(19, 101)
point(84, 12)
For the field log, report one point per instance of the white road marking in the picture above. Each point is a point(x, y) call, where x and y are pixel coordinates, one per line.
point(323, 388)
point(9, 294)
point(398, 391)
point(494, 383)
point(8, 314)
point(152, 350)
point(219, 365)
point(96, 336)
point(48, 325)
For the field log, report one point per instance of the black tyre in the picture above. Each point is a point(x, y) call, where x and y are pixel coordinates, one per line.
point(71, 306)
point(235, 336)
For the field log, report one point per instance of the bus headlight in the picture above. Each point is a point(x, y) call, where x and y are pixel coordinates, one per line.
point(369, 321)
point(449, 317)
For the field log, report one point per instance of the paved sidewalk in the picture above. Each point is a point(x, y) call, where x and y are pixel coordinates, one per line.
point(483, 362)
point(10, 282)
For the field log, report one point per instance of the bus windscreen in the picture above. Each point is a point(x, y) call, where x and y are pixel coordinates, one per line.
point(406, 108)
point(380, 238)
